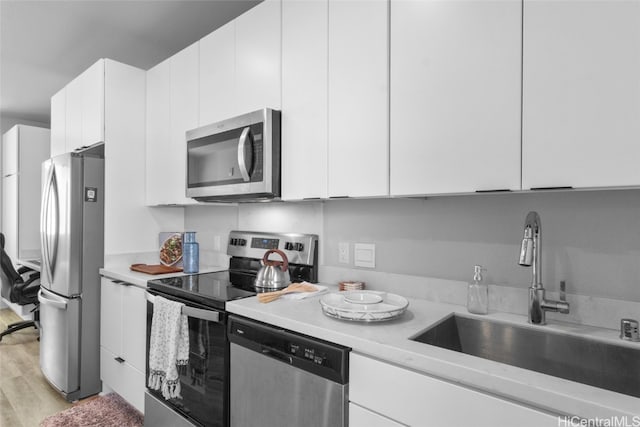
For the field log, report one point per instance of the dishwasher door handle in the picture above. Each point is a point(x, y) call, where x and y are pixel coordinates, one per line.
point(277, 355)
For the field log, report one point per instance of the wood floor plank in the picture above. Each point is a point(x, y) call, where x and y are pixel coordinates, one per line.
point(20, 376)
point(8, 416)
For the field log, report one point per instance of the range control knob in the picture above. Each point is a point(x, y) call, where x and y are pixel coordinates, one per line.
point(288, 246)
point(242, 242)
point(299, 247)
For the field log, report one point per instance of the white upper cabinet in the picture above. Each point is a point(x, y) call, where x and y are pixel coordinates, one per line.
point(58, 123)
point(358, 147)
point(304, 99)
point(455, 96)
point(258, 57)
point(172, 110)
point(158, 134)
point(184, 117)
point(240, 65)
point(581, 94)
point(24, 148)
point(217, 75)
point(84, 107)
point(78, 110)
point(93, 98)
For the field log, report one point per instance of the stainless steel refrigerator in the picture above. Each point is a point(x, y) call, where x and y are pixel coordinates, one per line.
point(72, 246)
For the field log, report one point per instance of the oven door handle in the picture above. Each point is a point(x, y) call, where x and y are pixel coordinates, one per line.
point(196, 313)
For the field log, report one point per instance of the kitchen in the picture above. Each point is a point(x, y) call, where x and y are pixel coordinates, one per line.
point(426, 244)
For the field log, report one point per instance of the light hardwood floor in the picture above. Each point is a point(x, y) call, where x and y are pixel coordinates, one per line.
point(26, 397)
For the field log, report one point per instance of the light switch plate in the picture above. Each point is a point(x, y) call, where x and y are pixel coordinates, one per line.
point(364, 255)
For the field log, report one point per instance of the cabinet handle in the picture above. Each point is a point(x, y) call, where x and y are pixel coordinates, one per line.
point(119, 359)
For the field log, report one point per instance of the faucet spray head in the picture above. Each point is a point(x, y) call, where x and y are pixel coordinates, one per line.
point(526, 250)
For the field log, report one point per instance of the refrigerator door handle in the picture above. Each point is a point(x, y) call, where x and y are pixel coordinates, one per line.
point(44, 207)
point(61, 304)
point(49, 218)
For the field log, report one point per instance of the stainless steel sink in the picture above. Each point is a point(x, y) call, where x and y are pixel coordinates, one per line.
point(600, 364)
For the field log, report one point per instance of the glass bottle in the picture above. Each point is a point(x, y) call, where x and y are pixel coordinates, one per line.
point(190, 253)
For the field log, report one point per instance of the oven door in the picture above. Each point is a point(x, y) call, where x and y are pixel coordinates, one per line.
point(205, 382)
point(236, 158)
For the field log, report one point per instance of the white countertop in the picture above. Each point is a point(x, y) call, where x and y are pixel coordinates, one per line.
point(124, 273)
point(389, 341)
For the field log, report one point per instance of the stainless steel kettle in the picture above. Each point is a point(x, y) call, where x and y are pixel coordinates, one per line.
point(273, 275)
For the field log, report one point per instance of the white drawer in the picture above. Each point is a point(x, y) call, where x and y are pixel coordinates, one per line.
point(411, 398)
point(123, 378)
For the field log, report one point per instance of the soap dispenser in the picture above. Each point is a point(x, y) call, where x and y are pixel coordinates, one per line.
point(478, 293)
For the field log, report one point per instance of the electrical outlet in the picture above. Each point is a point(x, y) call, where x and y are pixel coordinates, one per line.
point(343, 252)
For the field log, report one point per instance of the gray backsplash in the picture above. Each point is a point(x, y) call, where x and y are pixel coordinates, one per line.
point(590, 239)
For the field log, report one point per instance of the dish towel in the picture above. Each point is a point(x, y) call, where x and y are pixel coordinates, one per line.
point(168, 346)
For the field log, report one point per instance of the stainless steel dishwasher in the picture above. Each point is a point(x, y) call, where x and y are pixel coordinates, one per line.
point(279, 378)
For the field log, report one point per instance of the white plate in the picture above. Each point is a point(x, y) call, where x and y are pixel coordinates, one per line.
point(361, 297)
point(390, 307)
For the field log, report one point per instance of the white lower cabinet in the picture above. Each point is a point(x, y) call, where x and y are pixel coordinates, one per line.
point(123, 317)
point(361, 417)
point(382, 394)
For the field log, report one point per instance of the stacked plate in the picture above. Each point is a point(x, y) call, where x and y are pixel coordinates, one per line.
point(351, 286)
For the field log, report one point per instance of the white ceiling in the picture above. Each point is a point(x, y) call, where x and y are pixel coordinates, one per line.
point(45, 44)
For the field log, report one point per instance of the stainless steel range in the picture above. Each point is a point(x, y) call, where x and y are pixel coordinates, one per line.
point(205, 382)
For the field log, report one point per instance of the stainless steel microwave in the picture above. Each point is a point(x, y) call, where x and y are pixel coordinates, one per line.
point(236, 159)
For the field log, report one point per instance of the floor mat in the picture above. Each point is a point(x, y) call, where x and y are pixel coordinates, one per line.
point(102, 411)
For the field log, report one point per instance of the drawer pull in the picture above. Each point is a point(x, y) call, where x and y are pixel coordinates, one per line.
point(119, 359)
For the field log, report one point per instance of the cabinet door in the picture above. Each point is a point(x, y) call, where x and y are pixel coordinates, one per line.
point(258, 57)
point(134, 326)
point(581, 97)
point(33, 148)
point(92, 82)
point(58, 123)
point(184, 117)
point(358, 157)
point(304, 99)
point(111, 316)
point(158, 133)
point(10, 159)
point(10, 218)
point(217, 75)
point(73, 119)
point(455, 96)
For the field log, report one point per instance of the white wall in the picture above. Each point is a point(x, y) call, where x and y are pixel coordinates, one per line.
point(590, 239)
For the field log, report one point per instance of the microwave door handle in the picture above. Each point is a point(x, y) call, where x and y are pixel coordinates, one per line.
point(243, 159)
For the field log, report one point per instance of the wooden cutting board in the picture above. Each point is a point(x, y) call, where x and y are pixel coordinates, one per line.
point(154, 268)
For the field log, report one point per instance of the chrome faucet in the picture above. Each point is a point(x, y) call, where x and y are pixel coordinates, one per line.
point(531, 256)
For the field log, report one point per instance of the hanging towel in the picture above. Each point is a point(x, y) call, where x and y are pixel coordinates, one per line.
point(168, 346)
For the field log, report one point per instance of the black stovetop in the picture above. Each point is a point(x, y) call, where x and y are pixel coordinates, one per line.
point(209, 289)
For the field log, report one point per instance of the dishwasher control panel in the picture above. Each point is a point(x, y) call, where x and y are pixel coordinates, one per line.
point(311, 354)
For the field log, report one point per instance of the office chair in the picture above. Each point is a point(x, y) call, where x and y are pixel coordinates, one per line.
point(24, 285)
